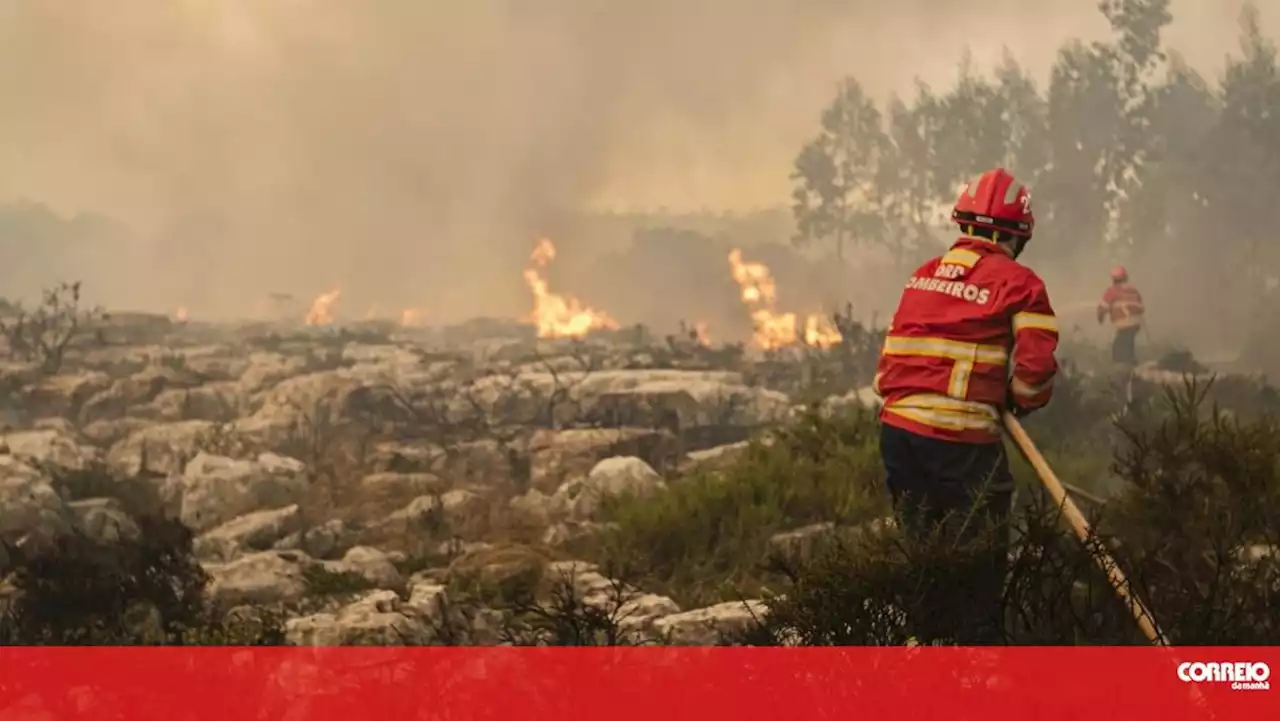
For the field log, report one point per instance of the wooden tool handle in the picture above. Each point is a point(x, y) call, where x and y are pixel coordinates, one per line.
point(1143, 617)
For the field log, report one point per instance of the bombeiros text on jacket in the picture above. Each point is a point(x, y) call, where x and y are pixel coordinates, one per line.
point(942, 282)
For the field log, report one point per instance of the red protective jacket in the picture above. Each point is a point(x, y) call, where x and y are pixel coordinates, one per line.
point(1124, 303)
point(944, 370)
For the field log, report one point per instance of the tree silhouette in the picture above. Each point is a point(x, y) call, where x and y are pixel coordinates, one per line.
point(1131, 155)
point(839, 174)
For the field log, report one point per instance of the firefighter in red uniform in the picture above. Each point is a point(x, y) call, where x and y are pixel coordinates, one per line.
point(1123, 303)
point(974, 334)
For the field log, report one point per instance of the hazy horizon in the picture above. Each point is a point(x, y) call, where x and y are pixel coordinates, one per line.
point(413, 151)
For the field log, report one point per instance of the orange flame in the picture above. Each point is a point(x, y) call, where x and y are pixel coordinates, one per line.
point(754, 279)
point(321, 308)
point(701, 334)
point(774, 329)
point(821, 332)
point(558, 316)
point(411, 317)
point(180, 314)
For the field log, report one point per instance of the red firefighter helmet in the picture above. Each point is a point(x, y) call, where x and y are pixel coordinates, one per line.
point(998, 202)
point(1119, 274)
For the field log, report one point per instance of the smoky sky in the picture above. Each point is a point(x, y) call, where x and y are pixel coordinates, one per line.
point(409, 151)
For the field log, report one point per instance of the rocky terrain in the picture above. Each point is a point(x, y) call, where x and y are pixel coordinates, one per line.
point(380, 462)
point(367, 482)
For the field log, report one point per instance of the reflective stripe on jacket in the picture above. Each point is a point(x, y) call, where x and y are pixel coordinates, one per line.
point(1124, 303)
point(964, 318)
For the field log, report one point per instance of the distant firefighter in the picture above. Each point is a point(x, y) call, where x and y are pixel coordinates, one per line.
point(1123, 303)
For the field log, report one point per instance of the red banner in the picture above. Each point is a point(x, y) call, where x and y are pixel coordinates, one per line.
point(655, 684)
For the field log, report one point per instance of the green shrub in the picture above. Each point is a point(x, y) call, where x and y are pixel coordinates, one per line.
point(1192, 528)
point(145, 590)
point(136, 496)
point(1082, 467)
point(892, 589)
point(706, 538)
point(1080, 415)
point(1198, 519)
point(324, 582)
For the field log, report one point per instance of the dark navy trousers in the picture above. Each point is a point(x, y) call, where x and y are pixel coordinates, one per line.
point(961, 491)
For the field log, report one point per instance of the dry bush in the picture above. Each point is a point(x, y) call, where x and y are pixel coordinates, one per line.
point(1193, 530)
point(45, 333)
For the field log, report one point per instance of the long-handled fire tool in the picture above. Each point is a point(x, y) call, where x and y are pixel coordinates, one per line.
point(1144, 618)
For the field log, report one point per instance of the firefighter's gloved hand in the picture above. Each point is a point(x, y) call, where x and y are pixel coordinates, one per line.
point(1011, 404)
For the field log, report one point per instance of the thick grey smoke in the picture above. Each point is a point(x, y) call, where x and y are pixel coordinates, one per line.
point(408, 151)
